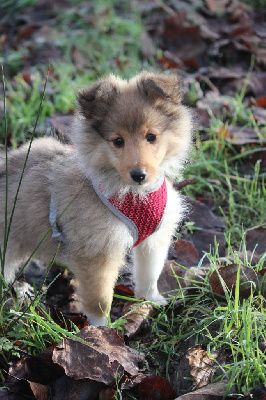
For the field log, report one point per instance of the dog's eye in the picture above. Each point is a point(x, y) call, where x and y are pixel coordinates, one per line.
point(150, 137)
point(118, 142)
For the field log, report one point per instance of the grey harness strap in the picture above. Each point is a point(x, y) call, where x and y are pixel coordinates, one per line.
point(130, 224)
point(56, 234)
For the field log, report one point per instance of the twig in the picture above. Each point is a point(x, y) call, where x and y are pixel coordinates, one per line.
point(166, 8)
point(185, 182)
point(210, 84)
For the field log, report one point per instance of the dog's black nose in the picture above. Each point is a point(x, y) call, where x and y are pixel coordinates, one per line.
point(138, 175)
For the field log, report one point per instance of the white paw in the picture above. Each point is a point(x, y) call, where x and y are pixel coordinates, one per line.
point(95, 320)
point(158, 299)
point(24, 290)
point(154, 296)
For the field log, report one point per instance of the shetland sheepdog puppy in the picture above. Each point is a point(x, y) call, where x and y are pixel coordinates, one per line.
point(110, 192)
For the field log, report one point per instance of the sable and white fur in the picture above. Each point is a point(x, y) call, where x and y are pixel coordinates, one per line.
point(95, 240)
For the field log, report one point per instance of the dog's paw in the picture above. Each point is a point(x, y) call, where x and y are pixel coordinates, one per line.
point(24, 290)
point(158, 299)
point(96, 320)
point(154, 296)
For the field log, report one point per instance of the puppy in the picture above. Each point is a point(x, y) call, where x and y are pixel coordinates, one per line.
point(91, 202)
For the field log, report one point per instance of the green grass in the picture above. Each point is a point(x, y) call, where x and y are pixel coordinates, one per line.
point(23, 100)
point(108, 42)
point(241, 199)
point(216, 164)
point(27, 328)
point(229, 325)
point(255, 3)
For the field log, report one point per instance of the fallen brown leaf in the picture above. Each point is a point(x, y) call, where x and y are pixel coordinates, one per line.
point(135, 315)
point(67, 388)
point(216, 7)
point(170, 61)
point(185, 253)
point(173, 276)
point(215, 102)
point(124, 290)
point(259, 114)
point(242, 136)
point(41, 392)
point(261, 101)
point(183, 39)
point(253, 258)
point(101, 358)
point(203, 217)
point(66, 320)
point(156, 387)
point(202, 118)
point(26, 32)
point(209, 228)
point(107, 394)
point(248, 279)
point(228, 81)
point(213, 391)
point(39, 369)
point(168, 280)
point(202, 365)
point(205, 239)
point(256, 237)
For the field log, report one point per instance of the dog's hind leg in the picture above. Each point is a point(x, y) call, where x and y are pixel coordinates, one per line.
point(14, 260)
point(10, 269)
point(96, 280)
point(149, 257)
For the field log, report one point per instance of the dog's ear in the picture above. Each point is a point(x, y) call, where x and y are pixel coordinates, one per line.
point(93, 101)
point(160, 87)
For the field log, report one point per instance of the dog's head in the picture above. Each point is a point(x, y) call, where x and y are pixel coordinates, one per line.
point(137, 128)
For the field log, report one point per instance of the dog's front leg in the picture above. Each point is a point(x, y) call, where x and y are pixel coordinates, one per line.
point(149, 258)
point(96, 280)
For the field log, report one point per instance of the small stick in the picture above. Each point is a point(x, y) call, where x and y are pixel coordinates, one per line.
point(185, 182)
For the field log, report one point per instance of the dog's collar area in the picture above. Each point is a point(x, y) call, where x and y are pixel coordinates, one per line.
point(141, 213)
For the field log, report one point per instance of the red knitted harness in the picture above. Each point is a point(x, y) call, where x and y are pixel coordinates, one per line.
point(145, 213)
